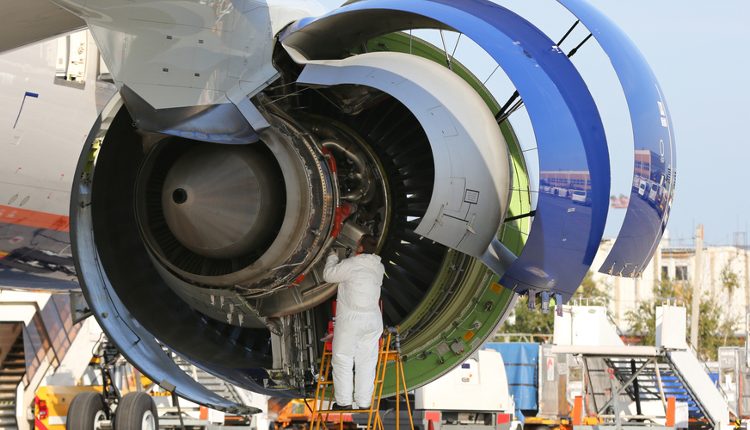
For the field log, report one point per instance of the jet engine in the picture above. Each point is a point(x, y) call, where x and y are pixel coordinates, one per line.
point(248, 140)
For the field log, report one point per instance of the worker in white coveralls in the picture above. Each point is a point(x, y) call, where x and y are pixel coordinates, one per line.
point(359, 323)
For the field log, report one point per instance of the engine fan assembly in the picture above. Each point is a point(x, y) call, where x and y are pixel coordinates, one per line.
point(228, 241)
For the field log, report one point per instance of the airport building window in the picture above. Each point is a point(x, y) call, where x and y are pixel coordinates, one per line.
point(665, 273)
point(70, 67)
point(681, 273)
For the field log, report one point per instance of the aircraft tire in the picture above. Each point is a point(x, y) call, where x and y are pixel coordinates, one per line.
point(136, 411)
point(85, 411)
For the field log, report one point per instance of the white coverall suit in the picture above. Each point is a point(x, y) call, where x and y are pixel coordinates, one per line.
point(359, 325)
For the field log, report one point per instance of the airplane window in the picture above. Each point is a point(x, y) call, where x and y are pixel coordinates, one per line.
point(70, 67)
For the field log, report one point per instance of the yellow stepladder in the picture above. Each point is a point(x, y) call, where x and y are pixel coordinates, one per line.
point(322, 403)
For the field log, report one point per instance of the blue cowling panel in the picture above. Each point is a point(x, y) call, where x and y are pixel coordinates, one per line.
point(655, 156)
point(572, 147)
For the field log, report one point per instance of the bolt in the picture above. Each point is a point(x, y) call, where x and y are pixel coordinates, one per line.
point(545, 302)
point(532, 300)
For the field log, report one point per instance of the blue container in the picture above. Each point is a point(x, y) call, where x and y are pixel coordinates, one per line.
point(521, 367)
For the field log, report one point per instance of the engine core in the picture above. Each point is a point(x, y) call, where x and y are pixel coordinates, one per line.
point(222, 202)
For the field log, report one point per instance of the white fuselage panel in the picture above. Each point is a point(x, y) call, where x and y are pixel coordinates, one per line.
point(45, 121)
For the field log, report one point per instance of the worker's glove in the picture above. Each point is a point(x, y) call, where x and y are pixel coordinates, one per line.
point(333, 254)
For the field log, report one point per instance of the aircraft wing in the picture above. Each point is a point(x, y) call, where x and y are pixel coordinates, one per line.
point(30, 21)
point(28, 269)
point(21, 281)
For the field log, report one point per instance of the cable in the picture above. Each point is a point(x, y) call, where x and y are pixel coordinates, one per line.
point(574, 50)
point(526, 215)
point(96, 345)
point(509, 107)
point(570, 30)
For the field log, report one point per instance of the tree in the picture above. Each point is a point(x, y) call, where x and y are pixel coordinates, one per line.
point(642, 321)
point(529, 321)
point(729, 279)
point(715, 327)
point(590, 290)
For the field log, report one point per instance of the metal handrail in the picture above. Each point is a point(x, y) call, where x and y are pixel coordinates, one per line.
point(40, 326)
point(708, 372)
point(524, 337)
point(684, 383)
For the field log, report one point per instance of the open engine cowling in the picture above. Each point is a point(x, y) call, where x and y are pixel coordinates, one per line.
point(209, 238)
point(157, 261)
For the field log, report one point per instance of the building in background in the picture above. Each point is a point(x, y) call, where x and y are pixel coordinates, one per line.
point(725, 275)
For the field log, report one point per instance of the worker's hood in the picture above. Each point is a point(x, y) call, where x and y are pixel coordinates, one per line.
point(369, 259)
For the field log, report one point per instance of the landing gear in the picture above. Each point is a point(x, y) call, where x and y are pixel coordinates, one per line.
point(86, 412)
point(136, 411)
point(108, 410)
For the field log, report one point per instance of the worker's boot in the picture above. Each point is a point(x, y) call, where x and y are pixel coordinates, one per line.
point(337, 407)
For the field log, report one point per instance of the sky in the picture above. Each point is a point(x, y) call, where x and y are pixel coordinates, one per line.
point(698, 51)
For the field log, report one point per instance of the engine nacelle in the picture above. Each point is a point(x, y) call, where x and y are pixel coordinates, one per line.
point(200, 218)
point(186, 265)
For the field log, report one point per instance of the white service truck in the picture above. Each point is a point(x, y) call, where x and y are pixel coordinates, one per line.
point(473, 396)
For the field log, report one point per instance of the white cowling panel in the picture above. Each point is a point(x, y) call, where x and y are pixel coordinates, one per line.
point(184, 53)
point(472, 179)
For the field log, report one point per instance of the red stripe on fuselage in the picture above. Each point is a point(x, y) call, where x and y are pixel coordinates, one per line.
point(25, 217)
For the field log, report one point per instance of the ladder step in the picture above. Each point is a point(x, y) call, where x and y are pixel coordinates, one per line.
point(385, 355)
point(339, 412)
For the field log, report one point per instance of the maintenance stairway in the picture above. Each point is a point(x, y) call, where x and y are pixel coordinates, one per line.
point(12, 371)
point(213, 383)
point(643, 374)
point(656, 382)
point(37, 334)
